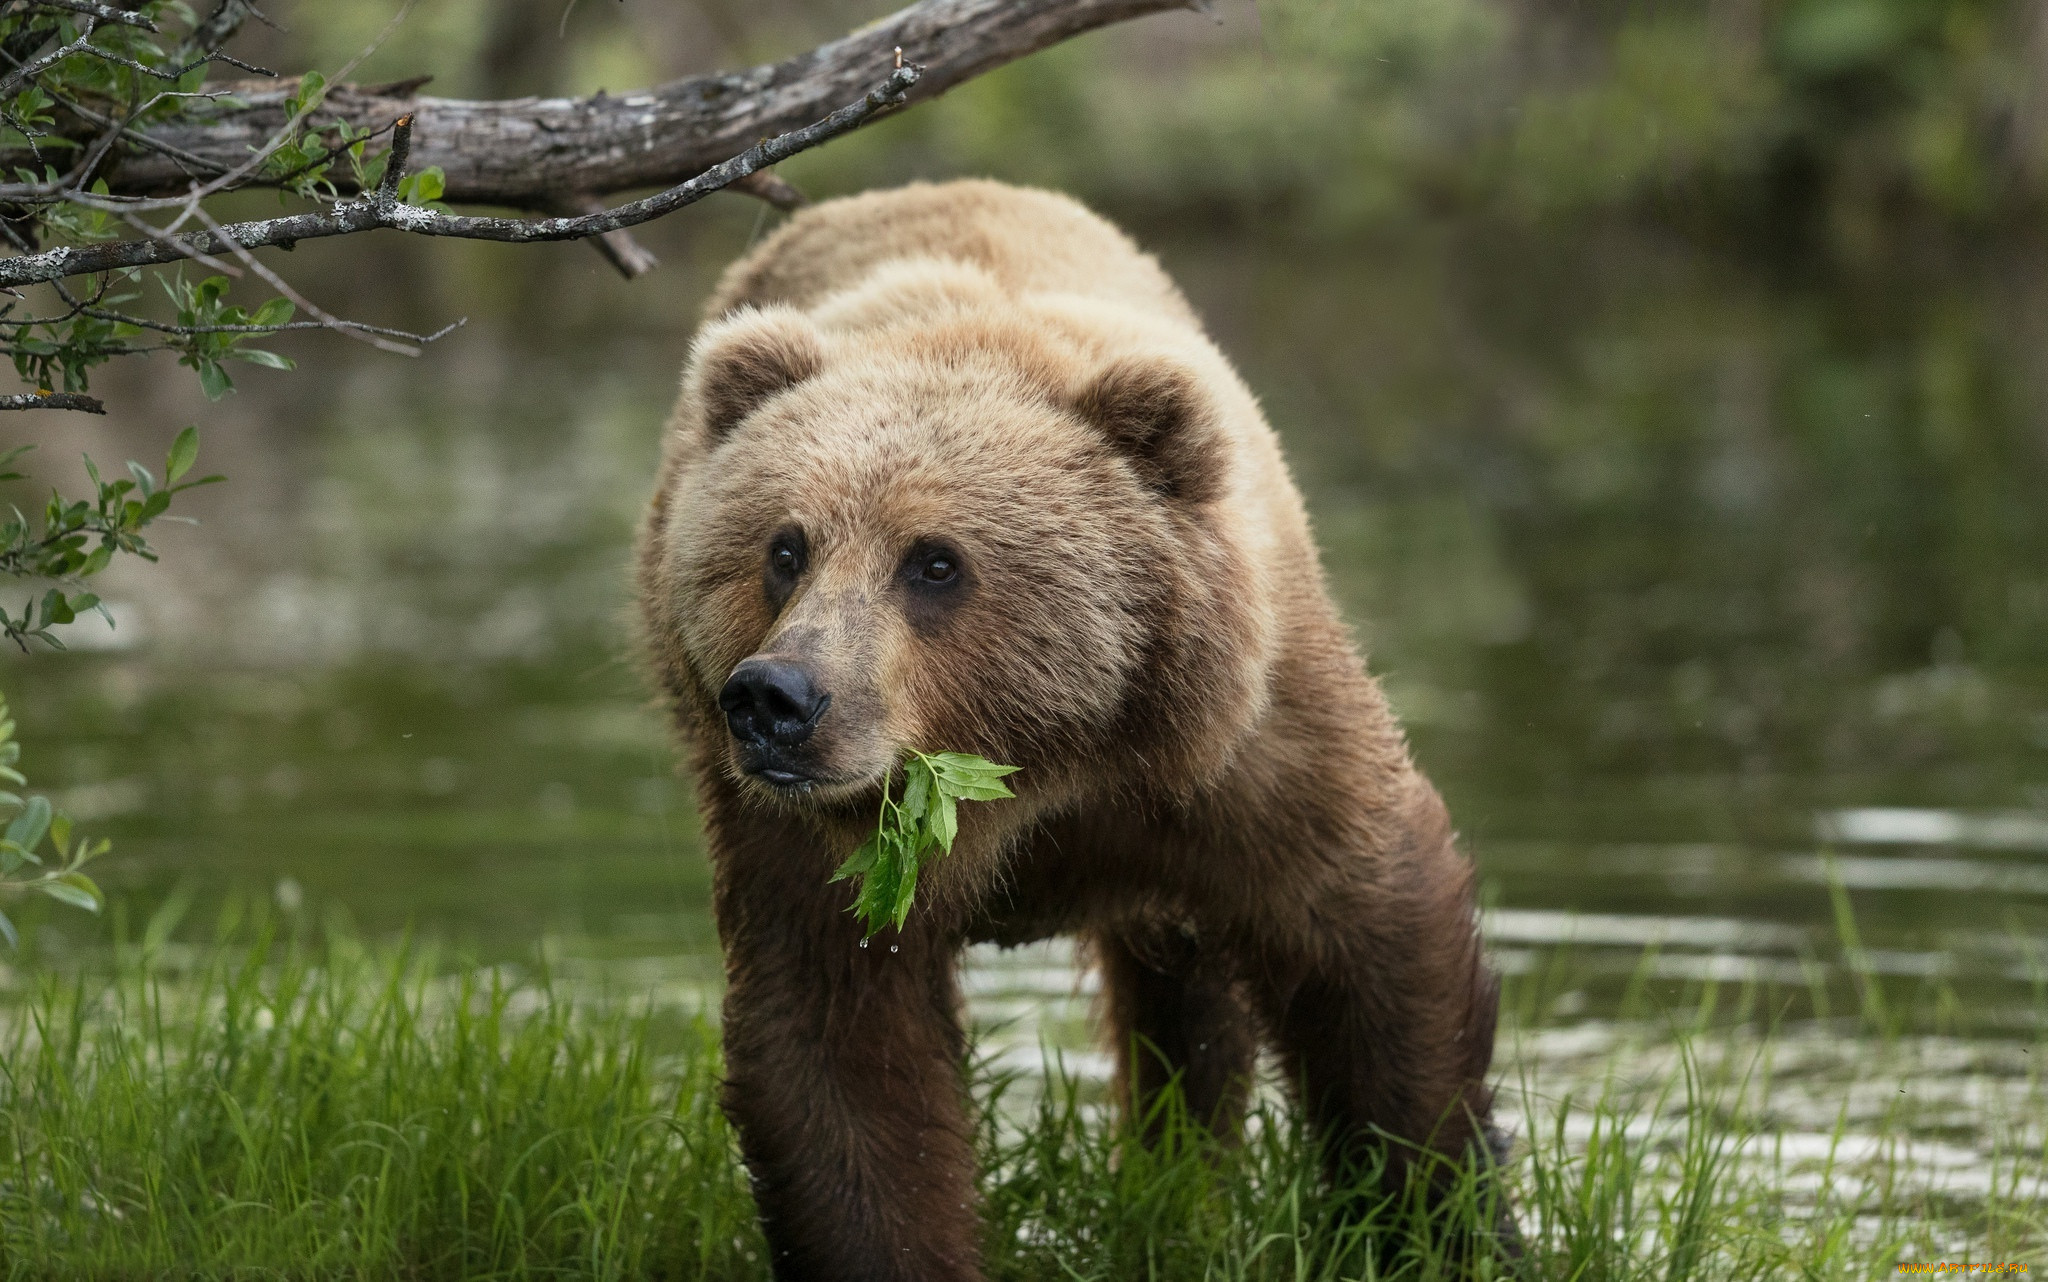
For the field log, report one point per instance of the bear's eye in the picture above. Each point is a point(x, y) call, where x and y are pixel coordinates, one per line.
point(936, 582)
point(786, 557)
point(934, 570)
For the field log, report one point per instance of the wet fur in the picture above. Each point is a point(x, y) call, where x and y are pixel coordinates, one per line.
point(1214, 794)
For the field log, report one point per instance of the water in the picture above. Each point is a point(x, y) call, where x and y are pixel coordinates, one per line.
point(1701, 589)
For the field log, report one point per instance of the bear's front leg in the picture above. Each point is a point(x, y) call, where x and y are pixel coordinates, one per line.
point(843, 1067)
point(1175, 1015)
point(1373, 982)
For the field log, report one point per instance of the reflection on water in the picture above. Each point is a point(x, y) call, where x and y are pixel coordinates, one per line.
point(1703, 596)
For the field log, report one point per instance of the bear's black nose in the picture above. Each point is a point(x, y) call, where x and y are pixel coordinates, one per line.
point(772, 703)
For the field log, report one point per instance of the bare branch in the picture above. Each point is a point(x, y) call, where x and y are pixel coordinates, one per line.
point(187, 331)
point(104, 12)
point(395, 163)
point(174, 73)
point(525, 153)
point(369, 213)
point(52, 401)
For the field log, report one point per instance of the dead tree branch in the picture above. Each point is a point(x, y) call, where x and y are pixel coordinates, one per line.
point(381, 209)
point(52, 401)
point(532, 153)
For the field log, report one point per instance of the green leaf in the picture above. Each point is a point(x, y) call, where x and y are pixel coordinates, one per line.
point(56, 609)
point(986, 790)
point(213, 380)
point(917, 790)
point(185, 450)
point(945, 821)
point(906, 892)
point(278, 311)
point(862, 861)
point(971, 778)
point(887, 885)
point(74, 888)
point(29, 826)
point(428, 184)
point(257, 356)
point(60, 834)
point(960, 765)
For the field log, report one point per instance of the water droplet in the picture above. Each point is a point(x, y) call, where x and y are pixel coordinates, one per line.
point(863, 943)
point(892, 948)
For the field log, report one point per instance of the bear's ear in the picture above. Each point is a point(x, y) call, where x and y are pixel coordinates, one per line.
point(1156, 413)
point(743, 360)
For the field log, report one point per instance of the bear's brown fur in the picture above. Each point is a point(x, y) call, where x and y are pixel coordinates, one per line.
point(955, 468)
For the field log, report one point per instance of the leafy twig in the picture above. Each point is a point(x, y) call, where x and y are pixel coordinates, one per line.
point(79, 537)
point(925, 820)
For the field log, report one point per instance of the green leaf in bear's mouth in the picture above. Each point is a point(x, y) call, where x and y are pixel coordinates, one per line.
point(927, 818)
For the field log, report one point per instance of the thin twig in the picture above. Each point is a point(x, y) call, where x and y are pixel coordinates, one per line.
point(11, 83)
point(278, 283)
point(176, 73)
point(186, 331)
point(165, 237)
point(327, 157)
point(104, 12)
point(74, 306)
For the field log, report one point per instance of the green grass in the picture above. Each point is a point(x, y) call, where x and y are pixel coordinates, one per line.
point(272, 1110)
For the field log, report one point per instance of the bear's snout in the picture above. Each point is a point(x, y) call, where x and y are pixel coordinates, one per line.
point(771, 705)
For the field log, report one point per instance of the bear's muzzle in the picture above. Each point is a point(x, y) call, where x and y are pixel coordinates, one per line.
point(772, 705)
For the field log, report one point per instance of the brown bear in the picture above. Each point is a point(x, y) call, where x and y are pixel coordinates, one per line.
point(955, 468)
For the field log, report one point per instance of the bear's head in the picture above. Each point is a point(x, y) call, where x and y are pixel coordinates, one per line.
point(966, 532)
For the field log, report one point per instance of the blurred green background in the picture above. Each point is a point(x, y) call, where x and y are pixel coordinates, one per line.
point(1665, 380)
